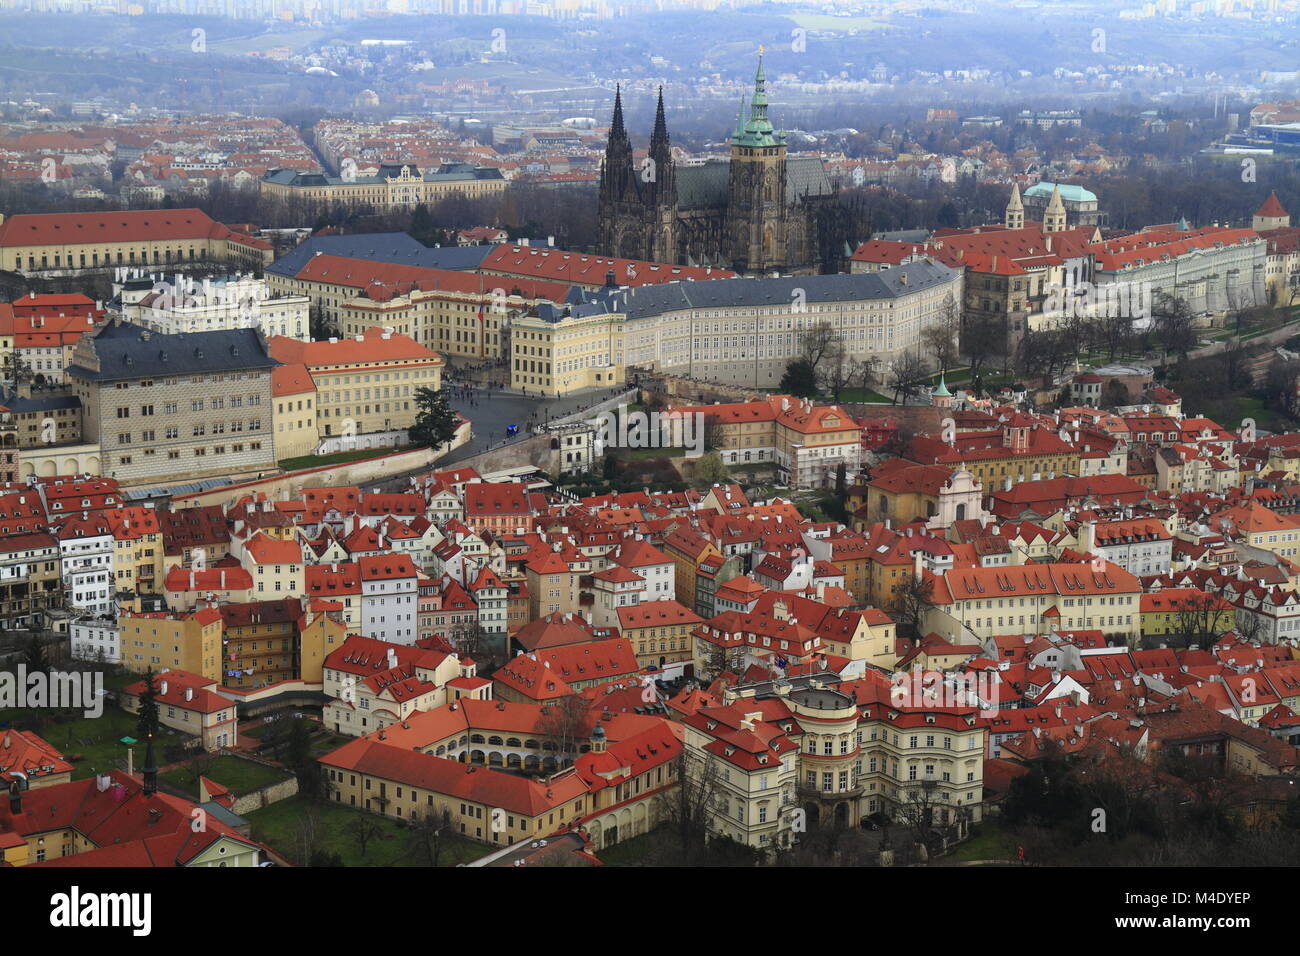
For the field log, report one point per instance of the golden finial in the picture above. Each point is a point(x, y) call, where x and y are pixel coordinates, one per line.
point(760, 49)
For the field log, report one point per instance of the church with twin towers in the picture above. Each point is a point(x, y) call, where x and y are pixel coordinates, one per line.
point(756, 212)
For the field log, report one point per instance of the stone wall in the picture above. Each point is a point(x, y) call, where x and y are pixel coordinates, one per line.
point(265, 796)
point(535, 451)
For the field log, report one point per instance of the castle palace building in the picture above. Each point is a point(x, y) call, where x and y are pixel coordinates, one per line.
point(760, 211)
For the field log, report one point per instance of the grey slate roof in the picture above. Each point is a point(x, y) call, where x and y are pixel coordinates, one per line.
point(805, 176)
point(446, 173)
point(902, 235)
point(38, 402)
point(705, 186)
point(129, 351)
point(395, 247)
point(646, 301)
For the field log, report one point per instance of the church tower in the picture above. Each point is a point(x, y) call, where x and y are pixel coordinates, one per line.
point(1054, 214)
point(659, 190)
point(1015, 216)
point(619, 199)
point(756, 188)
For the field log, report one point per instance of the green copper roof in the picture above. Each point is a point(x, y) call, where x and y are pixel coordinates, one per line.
point(942, 390)
point(1069, 192)
point(758, 131)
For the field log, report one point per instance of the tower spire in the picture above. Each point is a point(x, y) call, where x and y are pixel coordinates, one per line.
point(1015, 214)
point(1054, 216)
point(757, 130)
point(616, 124)
point(661, 124)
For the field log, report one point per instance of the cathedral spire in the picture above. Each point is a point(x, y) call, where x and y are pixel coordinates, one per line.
point(660, 135)
point(616, 124)
point(662, 186)
point(616, 170)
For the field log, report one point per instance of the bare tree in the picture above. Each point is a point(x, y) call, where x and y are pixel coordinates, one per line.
point(940, 338)
point(836, 367)
point(689, 808)
point(564, 723)
point(910, 373)
point(429, 833)
point(917, 814)
point(1173, 321)
point(1250, 628)
point(307, 834)
point(819, 342)
point(983, 338)
point(363, 828)
point(1201, 619)
point(720, 659)
point(861, 374)
point(915, 596)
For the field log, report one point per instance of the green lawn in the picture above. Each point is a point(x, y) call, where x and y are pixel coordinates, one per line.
point(988, 842)
point(277, 826)
point(240, 776)
point(316, 461)
point(631, 852)
point(93, 741)
point(263, 729)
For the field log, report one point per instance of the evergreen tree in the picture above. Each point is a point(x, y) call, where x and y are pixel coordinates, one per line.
point(800, 379)
point(435, 423)
point(421, 226)
point(34, 656)
point(147, 723)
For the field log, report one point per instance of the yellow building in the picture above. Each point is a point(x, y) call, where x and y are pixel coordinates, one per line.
point(392, 186)
point(571, 353)
point(75, 242)
point(1035, 599)
point(138, 554)
point(1171, 610)
point(481, 803)
point(457, 313)
point(276, 565)
point(293, 412)
point(366, 383)
point(660, 631)
point(552, 586)
point(188, 641)
point(1262, 528)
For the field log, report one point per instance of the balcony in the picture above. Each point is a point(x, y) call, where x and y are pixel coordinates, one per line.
point(817, 793)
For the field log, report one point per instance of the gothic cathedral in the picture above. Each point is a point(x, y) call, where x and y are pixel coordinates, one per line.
point(757, 212)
